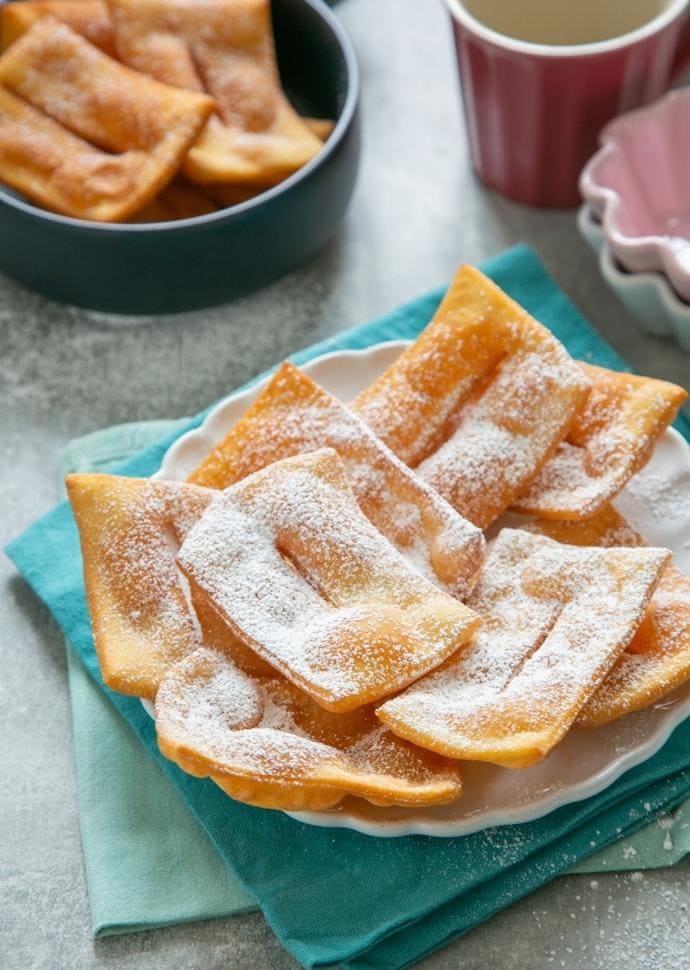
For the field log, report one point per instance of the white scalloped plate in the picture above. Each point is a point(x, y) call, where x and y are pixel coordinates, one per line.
point(585, 762)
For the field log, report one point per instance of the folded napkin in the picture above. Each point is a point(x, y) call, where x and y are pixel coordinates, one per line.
point(335, 896)
point(129, 845)
point(132, 844)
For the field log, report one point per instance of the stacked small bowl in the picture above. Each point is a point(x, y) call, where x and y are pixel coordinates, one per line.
point(636, 213)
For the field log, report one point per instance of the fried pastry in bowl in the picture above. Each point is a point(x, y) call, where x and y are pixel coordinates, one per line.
point(84, 136)
point(200, 260)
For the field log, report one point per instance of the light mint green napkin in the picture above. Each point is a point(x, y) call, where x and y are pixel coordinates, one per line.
point(132, 844)
point(148, 862)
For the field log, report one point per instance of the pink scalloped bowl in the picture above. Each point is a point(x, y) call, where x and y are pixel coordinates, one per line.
point(638, 183)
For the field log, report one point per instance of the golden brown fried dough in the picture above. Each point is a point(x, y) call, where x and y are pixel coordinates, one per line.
point(556, 619)
point(612, 437)
point(265, 742)
point(130, 530)
point(179, 200)
point(288, 560)
point(81, 134)
point(224, 47)
point(90, 18)
point(658, 657)
point(480, 401)
point(293, 415)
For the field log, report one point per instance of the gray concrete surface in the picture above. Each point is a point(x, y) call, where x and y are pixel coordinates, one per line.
point(417, 213)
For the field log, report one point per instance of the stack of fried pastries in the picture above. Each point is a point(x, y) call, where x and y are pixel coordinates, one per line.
point(317, 612)
point(149, 110)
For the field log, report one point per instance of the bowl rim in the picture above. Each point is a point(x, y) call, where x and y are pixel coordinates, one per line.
point(643, 253)
point(342, 126)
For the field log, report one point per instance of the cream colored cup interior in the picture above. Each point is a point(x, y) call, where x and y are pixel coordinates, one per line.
point(564, 22)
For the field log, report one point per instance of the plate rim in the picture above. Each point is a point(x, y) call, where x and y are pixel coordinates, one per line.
point(200, 436)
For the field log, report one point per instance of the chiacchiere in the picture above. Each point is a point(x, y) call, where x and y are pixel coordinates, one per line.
point(315, 613)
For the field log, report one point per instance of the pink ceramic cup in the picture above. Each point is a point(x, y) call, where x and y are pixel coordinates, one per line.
point(540, 78)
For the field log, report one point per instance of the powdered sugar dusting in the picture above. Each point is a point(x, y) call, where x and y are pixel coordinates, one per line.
point(659, 497)
point(630, 920)
point(131, 530)
point(264, 729)
point(657, 659)
point(503, 436)
point(290, 561)
point(479, 401)
point(293, 416)
point(555, 619)
point(611, 438)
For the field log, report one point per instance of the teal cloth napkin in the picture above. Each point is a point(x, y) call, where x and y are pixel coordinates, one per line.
point(130, 844)
point(335, 896)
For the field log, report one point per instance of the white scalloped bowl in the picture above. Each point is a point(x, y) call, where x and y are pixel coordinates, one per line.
point(638, 184)
point(649, 296)
point(585, 762)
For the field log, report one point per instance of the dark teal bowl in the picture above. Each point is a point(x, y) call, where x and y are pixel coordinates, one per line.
point(192, 263)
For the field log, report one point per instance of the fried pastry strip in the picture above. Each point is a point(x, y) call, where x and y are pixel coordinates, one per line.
point(610, 440)
point(289, 561)
point(130, 530)
point(556, 619)
point(290, 753)
point(658, 657)
point(265, 742)
point(294, 415)
point(90, 18)
point(224, 47)
point(83, 135)
point(480, 401)
point(179, 200)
